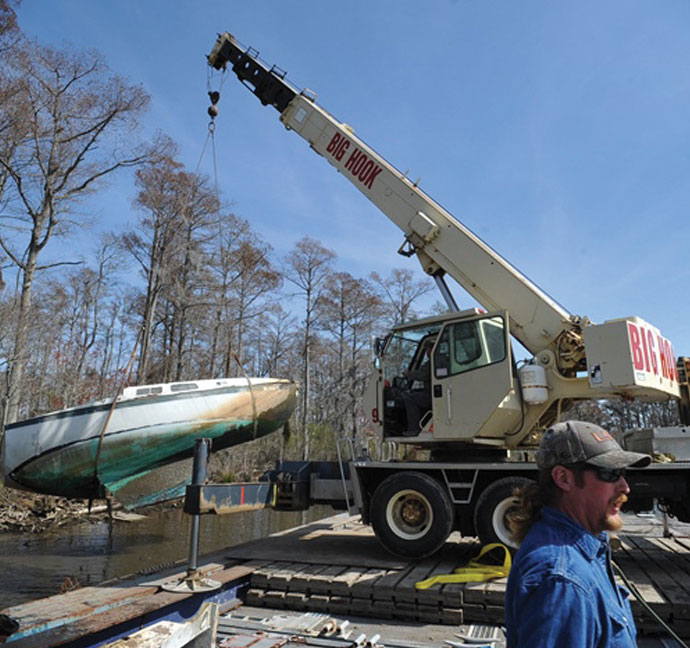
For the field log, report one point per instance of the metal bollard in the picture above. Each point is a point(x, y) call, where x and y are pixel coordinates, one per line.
point(199, 472)
point(194, 581)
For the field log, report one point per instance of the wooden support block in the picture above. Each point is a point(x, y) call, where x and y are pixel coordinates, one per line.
point(255, 597)
point(317, 602)
point(431, 596)
point(361, 606)
point(383, 608)
point(475, 613)
point(474, 593)
point(495, 591)
point(452, 616)
point(453, 595)
point(428, 613)
point(274, 598)
point(365, 584)
point(295, 601)
point(321, 583)
point(405, 589)
point(339, 604)
point(386, 585)
point(280, 578)
point(404, 610)
point(303, 577)
point(259, 577)
point(342, 583)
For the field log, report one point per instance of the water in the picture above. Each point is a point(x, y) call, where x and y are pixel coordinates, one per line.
point(37, 565)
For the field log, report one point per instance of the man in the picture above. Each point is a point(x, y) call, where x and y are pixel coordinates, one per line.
point(417, 400)
point(561, 591)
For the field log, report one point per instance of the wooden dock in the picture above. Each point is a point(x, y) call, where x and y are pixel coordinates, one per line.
point(337, 566)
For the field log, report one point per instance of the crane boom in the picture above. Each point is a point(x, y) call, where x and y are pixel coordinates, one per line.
point(442, 244)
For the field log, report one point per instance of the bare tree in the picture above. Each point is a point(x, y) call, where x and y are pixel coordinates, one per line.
point(307, 267)
point(349, 307)
point(9, 30)
point(278, 332)
point(399, 292)
point(255, 279)
point(74, 130)
point(174, 206)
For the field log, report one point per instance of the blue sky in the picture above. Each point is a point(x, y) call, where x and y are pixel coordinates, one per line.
point(559, 132)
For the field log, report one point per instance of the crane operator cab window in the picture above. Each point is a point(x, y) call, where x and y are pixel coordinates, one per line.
point(472, 376)
point(469, 345)
point(407, 374)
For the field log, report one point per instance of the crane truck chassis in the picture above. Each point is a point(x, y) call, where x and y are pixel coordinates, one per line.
point(484, 413)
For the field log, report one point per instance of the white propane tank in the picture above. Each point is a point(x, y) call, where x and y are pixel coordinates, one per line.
point(533, 381)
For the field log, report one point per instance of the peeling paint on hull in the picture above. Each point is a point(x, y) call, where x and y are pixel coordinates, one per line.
point(56, 454)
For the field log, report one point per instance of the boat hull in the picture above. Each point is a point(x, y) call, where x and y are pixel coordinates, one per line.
point(58, 454)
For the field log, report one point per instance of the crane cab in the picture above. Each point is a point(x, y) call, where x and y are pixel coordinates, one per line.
point(445, 378)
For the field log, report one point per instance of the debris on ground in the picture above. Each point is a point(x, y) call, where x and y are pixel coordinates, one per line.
point(32, 513)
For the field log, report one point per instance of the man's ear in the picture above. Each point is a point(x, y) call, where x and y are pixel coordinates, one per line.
point(563, 477)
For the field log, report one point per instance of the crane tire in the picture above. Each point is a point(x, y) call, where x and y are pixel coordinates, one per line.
point(411, 514)
point(492, 508)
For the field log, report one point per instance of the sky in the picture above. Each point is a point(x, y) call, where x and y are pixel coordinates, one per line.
point(559, 132)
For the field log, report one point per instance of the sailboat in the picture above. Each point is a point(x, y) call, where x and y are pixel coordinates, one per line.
point(139, 452)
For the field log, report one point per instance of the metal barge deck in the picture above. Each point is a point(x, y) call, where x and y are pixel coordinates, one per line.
point(335, 567)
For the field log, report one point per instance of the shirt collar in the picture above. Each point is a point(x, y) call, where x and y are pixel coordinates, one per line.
point(590, 545)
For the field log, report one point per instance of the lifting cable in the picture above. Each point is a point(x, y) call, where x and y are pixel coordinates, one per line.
point(123, 382)
point(633, 588)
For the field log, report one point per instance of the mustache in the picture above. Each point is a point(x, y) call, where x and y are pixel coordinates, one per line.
point(620, 500)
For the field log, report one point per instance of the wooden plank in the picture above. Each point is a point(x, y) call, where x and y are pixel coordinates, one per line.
point(428, 613)
point(364, 586)
point(260, 574)
point(339, 604)
point(629, 560)
point(385, 586)
point(106, 608)
point(317, 602)
point(679, 553)
point(343, 582)
point(274, 598)
point(496, 591)
point(453, 595)
point(477, 613)
point(475, 593)
point(674, 583)
point(452, 616)
point(405, 589)
point(303, 575)
point(295, 601)
point(321, 583)
point(433, 595)
point(361, 606)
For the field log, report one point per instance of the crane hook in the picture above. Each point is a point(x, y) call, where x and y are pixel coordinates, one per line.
point(214, 96)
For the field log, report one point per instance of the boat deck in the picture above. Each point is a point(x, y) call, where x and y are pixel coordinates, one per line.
point(336, 567)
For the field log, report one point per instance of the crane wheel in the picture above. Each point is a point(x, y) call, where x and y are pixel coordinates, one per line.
point(492, 510)
point(411, 514)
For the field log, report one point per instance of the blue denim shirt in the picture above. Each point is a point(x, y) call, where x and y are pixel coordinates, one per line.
point(560, 592)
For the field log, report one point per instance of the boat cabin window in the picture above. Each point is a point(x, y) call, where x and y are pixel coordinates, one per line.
point(468, 345)
point(183, 387)
point(146, 391)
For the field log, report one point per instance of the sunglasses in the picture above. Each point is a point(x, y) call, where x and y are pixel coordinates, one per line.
point(610, 475)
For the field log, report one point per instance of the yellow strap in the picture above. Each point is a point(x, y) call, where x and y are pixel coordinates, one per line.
point(474, 571)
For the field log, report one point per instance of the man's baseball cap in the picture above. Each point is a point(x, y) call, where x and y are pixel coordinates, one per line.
point(573, 442)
